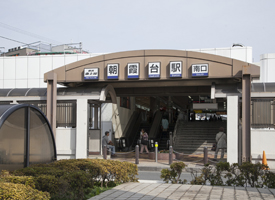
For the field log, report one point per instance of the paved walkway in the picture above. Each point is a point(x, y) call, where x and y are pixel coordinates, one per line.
point(157, 191)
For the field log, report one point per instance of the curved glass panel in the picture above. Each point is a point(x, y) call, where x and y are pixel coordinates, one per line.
point(12, 141)
point(41, 142)
point(18, 92)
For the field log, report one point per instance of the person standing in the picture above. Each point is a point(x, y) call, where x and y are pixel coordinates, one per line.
point(144, 141)
point(221, 142)
point(106, 141)
point(164, 125)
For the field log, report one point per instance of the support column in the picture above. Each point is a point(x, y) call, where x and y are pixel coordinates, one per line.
point(232, 129)
point(51, 100)
point(170, 110)
point(246, 131)
point(81, 128)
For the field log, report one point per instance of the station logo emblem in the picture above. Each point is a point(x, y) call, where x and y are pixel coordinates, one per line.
point(200, 70)
point(154, 70)
point(176, 69)
point(133, 70)
point(112, 71)
point(91, 73)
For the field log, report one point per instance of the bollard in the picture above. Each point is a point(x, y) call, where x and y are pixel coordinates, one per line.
point(171, 138)
point(205, 158)
point(137, 154)
point(156, 150)
point(170, 155)
point(105, 152)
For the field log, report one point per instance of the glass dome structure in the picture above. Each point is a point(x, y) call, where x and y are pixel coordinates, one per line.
point(26, 137)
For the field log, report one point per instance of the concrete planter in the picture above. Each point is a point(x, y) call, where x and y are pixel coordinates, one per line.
point(161, 156)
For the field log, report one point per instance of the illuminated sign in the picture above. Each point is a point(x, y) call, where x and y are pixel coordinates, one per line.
point(91, 73)
point(154, 70)
point(200, 70)
point(133, 70)
point(176, 69)
point(112, 71)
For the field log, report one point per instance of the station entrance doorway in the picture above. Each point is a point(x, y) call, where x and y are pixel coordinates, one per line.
point(167, 73)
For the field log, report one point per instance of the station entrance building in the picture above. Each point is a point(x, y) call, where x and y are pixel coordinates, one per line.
point(187, 81)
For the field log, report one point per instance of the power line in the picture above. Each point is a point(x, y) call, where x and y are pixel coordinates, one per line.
point(26, 32)
point(21, 42)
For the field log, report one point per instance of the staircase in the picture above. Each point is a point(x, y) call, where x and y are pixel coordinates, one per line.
point(192, 137)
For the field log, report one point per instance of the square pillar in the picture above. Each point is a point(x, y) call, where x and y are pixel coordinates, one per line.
point(246, 130)
point(51, 100)
point(232, 129)
point(81, 147)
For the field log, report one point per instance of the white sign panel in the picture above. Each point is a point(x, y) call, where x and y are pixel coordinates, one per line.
point(91, 73)
point(112, 71)
point(133, 70)
point(154, 70)
point(176, 69)
point(200, 70)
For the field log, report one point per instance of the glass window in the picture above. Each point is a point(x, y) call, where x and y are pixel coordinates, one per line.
point(12, 141)
point(41, 142)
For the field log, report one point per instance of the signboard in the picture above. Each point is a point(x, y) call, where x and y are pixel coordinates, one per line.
point(154, 70)
point(200, 70)
point(176, 69)
point(91, 73)
point(112, 71)
point(133, 70)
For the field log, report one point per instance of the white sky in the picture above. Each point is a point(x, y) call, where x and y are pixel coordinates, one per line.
point(121, 25)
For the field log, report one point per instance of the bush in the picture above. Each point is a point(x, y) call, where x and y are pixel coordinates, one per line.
point(75, 179)
point(247, 174)
point(174, 174)
point(21, 192)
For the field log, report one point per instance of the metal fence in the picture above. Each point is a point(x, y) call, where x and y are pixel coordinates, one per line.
point(262, 113)
point(65, 112)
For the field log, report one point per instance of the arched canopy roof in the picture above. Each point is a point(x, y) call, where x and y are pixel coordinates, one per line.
point(102, 94)
point(26, 137)
point(220, 68)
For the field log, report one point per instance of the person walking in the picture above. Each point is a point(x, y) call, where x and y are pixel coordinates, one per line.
point(144, 141)
point(106, 141)
point(221, 142)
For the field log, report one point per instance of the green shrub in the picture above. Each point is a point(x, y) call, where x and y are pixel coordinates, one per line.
point(173, 175)
point(247, 174)
point(21, 192)
point(74, 179)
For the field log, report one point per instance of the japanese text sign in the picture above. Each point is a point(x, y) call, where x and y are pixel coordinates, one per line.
point(154, 70)
point(200, 70)
point(112, 71)
point(91, 73)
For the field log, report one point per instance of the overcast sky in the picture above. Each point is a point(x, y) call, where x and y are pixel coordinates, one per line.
point(121, 25)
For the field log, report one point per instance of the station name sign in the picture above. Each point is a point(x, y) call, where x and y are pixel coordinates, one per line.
point(199, 70)
point(176, 69)
point(112, 71)
point(133, 70)
point(91, 74)
point(154, 70)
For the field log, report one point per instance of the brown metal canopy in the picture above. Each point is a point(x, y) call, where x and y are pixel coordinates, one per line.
point(222, 69)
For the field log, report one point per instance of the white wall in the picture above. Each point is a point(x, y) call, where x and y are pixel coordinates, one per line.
point(65, 143)
point(267, 70)
point(232, 129)
point(28, 71)
point(81, 128)
point(239, 53)
point(263, 140)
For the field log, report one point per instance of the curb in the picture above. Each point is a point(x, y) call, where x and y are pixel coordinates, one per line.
point(146, 168)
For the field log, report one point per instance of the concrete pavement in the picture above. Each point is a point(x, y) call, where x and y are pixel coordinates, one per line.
point(158, 191)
